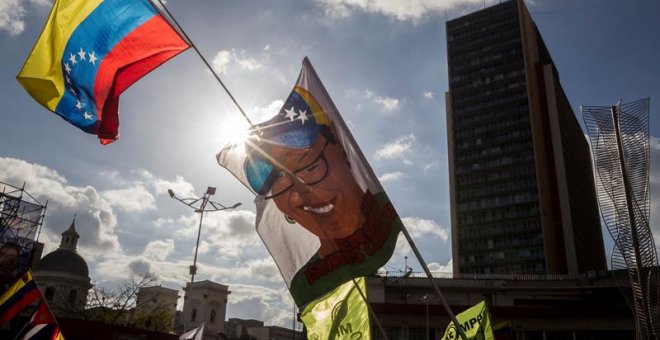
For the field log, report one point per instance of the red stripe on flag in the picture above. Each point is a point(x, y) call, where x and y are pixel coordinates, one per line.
point(16, 307)
point(133, 57)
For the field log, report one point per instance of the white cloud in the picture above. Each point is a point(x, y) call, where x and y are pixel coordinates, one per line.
point(419, 226)
point(226, 59)
point(383, 102)
point(132, 199)
point(159, 250)
point(400, 10)
point(391, 176)
point(441, 269)
point(11, 16)
point(397, 149)
point(428, 95)
point(64, 200)
point(263, 113)
point(387, 103)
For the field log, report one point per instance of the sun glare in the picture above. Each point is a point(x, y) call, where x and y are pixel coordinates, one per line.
point(234, 131)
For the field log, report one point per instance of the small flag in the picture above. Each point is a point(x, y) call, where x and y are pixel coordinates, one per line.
point(89, 53)
point(321, 211)
point(475, 322)
point(340, 314)
point(42, 324)
point(193, 334)
point(20, 295)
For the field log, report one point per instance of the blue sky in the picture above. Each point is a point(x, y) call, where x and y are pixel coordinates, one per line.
point(384, 64)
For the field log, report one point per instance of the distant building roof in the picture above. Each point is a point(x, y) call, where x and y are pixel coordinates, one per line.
point(63, 260)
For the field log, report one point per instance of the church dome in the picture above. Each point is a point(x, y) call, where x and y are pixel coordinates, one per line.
point(64, 261)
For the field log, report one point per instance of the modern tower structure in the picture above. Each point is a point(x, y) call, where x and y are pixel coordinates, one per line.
point(521, 180)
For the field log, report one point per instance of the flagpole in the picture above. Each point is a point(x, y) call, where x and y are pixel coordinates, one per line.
point(435, 285)
point(370, 172)
point(371, 311)
point(175, 25)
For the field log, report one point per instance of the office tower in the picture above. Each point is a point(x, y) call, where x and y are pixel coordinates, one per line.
point(521, 181)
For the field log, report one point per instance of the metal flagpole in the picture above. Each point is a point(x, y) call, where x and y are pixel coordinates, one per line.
point(172, 22)
point(435, 285)
point(371, 311)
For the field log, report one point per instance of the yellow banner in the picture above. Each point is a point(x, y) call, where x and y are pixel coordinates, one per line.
point(340, 314)
point(475, 322)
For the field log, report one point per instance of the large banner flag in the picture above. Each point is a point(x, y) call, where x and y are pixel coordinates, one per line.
point(475, 322)
point(89, 52)
point(340, 314)
point(321, 211)
point(20, 295)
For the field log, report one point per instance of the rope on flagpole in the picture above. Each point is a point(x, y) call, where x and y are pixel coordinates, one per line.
point(172, 22)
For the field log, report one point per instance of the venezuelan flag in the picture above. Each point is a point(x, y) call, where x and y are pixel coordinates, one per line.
point(89, 52)
point(20, 295)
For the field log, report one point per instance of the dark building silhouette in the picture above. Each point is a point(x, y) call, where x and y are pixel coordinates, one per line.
point(522, 188)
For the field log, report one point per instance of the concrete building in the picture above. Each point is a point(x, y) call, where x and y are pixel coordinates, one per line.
point(63, 276)
point(160, 303)
point(245, 329)
point(521, 182)
point(205, 301)
point(521, 306)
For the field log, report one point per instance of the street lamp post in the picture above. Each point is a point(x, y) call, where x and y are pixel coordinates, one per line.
point(426, 298)
point(201, 205)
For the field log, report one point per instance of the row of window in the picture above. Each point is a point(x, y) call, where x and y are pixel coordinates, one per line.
point(525, 184)
point(494, 101)
point(479, 22)
point(484, 42)
point(497, 87)
point(505, 41)
point(483, 177)
point(477, 62)
point(513, 112)
point(497, 214)
point(512, 255)
point(498, 201)
point(500, 242)
point(520, 226)
point(527, 267)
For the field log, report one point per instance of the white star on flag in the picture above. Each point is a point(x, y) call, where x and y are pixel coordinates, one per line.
point(87, 116)
point(79, 105)
point(67, 68)
point(303, 116)
point(82, 54)
point(73, 91)
point(72, 58)
point(92, 58)
point(290, 113)
point(68, 80)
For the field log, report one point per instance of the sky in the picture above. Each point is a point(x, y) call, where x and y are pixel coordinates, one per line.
point(382, 61)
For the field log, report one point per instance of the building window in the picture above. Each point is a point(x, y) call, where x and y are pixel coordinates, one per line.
point(50, 292)
point(193, 315)
point(212, 318)
point(72, 296)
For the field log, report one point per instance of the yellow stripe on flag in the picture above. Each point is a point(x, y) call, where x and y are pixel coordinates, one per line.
point(41, 75)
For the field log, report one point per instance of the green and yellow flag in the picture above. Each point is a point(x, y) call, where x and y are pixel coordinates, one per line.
point(340, 314)
point(475, 322)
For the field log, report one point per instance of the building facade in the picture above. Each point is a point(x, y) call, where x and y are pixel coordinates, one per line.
point(205, 302)
point(157, 306)
point(521, 183)
point(522, 307)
